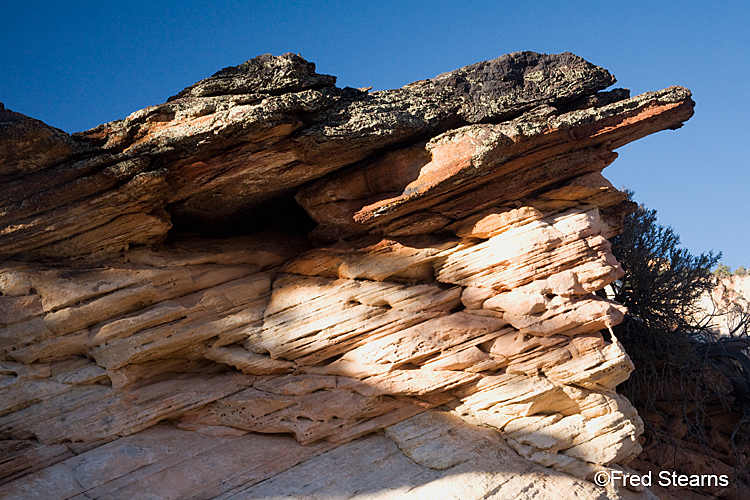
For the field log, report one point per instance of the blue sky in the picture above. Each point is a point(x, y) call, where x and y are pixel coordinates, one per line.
point(80, 63)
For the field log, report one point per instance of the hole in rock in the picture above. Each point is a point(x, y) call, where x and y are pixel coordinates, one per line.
point(457, 308)
point(412, 366)
point(330, 360)
point(280, 214)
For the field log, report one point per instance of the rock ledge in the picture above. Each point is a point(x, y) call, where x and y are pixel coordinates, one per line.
point(168, 326)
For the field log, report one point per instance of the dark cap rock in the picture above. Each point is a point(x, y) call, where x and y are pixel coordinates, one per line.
point(265, 74)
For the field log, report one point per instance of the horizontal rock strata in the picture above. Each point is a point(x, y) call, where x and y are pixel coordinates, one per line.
point(453, 277)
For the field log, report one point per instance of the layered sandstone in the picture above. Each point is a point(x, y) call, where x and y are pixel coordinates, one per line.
point(167, 322)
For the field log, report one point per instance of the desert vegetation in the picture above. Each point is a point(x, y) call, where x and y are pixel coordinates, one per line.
point(690, 385)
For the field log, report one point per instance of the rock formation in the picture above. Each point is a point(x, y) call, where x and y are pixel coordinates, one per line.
point(727, 307)
point(168, 327)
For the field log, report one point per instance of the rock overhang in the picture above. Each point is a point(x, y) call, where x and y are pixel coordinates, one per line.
point(462, 232)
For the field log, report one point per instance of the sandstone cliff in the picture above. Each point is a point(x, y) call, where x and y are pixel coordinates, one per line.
point(272, 287)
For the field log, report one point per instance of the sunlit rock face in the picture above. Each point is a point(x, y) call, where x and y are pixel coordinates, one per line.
point(226, 295)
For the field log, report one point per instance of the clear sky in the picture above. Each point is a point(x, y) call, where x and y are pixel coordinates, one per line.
point(76, 64)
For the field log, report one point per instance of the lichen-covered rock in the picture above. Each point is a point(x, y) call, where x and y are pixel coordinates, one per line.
point(29, 145)
point(259, 130)
point(264, 74)
point(451, 281)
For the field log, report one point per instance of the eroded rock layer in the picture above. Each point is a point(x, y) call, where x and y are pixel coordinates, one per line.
point(452, 278)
